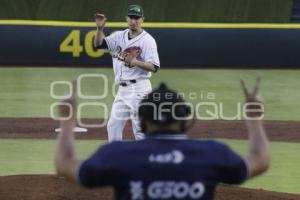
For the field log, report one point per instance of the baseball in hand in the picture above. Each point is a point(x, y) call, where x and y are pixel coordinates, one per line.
point(100, 20)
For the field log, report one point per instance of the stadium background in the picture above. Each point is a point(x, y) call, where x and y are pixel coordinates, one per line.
point(28, 134)
point(250, 11)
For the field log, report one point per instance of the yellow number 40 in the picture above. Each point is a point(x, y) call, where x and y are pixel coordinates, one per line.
point(71, 44)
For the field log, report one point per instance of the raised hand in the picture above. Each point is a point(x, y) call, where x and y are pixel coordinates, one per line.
point(100, 20)
point(254, 104)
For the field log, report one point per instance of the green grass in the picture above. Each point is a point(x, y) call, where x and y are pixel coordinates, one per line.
point(284, 174)
point(21, 156)
point(25, 92)
point(25, 156)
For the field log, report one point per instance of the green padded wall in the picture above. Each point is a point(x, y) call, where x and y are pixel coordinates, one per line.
point(155, 10)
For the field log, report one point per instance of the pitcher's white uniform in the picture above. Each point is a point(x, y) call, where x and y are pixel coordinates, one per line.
point(133, 82)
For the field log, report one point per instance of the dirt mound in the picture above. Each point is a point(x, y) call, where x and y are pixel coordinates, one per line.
point(44, 128)
point(47, 187)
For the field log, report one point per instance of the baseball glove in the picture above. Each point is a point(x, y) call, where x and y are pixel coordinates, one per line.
point(133, 51)
point(129, 54)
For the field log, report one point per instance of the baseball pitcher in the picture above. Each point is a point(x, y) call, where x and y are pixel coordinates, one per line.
point(135, 56)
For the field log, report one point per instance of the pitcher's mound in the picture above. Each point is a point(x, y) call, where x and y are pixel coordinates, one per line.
point(48, 187)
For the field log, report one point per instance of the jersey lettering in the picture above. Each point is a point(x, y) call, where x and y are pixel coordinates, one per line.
point(136, 190)
point(174, 157)
point(168, 190)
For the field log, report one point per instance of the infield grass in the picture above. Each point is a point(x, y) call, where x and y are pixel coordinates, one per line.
point(25, 92)
point(25, 156)
point(283, 175)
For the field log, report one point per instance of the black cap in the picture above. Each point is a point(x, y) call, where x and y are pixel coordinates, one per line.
point(163, 106)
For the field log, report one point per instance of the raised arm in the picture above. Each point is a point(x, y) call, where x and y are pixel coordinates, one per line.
point(100, 23)
point(65, 162)
point(258, 157)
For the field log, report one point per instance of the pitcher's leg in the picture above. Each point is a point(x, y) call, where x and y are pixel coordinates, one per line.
point(135, 121)
point(141, 89)
point(136, 128)
point(117, 121)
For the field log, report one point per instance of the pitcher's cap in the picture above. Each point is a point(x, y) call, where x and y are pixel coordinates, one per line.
point(135, 10)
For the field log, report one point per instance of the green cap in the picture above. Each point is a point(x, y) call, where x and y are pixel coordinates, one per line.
point(135, 10)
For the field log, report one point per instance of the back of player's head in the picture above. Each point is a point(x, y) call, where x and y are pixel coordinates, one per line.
point(163, 107)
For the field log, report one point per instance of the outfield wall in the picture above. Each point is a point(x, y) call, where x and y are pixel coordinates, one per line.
point(179, 44)
point(251, 11)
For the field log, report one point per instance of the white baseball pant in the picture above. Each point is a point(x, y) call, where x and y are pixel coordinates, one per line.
point(125, 107)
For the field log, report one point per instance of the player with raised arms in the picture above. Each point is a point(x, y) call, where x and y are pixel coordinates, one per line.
point(166, 164)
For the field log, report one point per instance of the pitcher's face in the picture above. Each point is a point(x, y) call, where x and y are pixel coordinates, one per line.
point(134, 22)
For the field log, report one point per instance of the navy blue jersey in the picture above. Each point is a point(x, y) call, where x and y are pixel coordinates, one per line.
point(163, 167)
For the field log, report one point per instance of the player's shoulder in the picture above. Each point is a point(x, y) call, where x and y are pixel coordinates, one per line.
point(109, 147)
point(220, 147)
point(117, 146)
point(148, 36)
point(118, 33)
point(209, 145)
point(217, 144)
